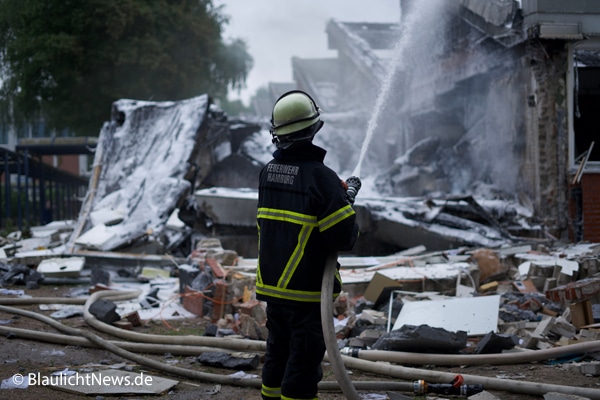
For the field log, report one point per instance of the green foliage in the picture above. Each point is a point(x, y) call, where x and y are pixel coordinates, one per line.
point(262, 94)
point(66, 61)
point(235, 108)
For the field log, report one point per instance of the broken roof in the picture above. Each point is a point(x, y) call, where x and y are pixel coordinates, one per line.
point(144, 155)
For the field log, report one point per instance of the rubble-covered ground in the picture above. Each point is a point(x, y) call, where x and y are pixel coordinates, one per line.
point(25, 356)
point(546, 296)
point(521, 293)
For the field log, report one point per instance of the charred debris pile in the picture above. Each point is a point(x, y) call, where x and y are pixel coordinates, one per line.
point(514, 304)
point(150, 223)
point(155, 163)
point(543, 297)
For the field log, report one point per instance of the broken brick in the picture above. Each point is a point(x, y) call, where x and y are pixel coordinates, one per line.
point(489, 264)
point(219, 300)
point(215, 267)
point(254, 309)
point(133, 318)
point(193, 301)
point(581, 313)
point(251, 329)
point(531, 304)
point(575, 291)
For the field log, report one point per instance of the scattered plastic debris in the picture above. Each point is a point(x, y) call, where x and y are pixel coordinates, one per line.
point(17, 381)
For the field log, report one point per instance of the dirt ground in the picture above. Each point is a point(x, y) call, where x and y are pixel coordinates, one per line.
point(23, 356)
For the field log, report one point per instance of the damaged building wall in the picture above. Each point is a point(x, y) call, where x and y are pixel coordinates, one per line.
point(545, 161)
point(470, 111)
point(462, 89)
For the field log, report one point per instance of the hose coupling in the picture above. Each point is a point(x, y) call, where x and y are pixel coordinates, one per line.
point(350, 351)
point(456, 387)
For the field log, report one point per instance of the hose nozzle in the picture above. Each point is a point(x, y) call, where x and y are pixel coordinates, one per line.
point(354, 185)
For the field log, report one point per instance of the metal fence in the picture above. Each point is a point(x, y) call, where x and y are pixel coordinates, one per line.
point(33, 193)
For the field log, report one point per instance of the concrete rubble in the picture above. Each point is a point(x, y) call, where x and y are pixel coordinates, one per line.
point(181, 244)
point(546, 296)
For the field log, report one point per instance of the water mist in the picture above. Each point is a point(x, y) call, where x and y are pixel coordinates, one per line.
point(421, 15)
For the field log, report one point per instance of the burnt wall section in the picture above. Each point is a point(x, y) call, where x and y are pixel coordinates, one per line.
point(545, 162)
point(466, 104)
point(488, 120)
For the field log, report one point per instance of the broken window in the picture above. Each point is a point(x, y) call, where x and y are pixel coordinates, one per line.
point(586, 106)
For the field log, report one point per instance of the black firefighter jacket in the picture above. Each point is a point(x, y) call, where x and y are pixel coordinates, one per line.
point(303, 215)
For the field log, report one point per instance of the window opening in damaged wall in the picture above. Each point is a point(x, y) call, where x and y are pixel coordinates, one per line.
point(586, 122)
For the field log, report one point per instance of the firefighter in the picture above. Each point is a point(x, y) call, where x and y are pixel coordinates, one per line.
point(303, 215)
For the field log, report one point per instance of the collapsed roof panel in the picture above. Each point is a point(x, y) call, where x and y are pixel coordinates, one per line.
point(350, 38)
point(146, 159)
point(499, 19)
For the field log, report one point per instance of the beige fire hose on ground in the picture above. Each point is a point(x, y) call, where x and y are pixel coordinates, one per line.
point(369, 355)
point(363, 365)
point(148, 362)
point(333, 351)
point(117, 347)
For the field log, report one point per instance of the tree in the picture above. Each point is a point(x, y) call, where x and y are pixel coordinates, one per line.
point(234, 108)
point(66, 61)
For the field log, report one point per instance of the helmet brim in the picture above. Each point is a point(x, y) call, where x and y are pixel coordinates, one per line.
point(304, 135)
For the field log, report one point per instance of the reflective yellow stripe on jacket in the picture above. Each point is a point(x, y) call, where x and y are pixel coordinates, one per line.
point(308, 223)
point(335, 217)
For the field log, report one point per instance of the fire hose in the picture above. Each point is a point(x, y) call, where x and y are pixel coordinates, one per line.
point(352, 186)
point(333, 352)
point(80, 337)
point(363, 365)
point(367, 355)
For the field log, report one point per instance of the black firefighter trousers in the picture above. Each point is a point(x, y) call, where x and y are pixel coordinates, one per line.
point(295, 350)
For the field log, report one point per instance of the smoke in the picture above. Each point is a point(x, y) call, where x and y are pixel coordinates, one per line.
point(419, 44)
point(406, 49)
point(450, 83)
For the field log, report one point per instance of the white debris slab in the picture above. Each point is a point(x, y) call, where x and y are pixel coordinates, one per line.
point(417, 273)
point(174, 222)
point(107, 216)
point(568, 267)
point(358, 262)
point(69, 267)
point(97, 237)
point(474, 315)
point(236, 207)
point(51, 228)
point(111, 382)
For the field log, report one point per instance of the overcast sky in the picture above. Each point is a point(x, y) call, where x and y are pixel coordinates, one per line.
point(277, 30)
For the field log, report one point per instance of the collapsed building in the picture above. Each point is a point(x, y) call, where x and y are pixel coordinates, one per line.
point(493, 97)
point(481, 123)
point(169, 174)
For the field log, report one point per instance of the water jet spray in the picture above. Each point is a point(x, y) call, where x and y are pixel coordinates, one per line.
point(385, 88)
